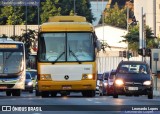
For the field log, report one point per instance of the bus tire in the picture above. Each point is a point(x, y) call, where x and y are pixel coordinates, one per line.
point(91, 93)
point(45, 94)
point(8, 93)
point(16, 92)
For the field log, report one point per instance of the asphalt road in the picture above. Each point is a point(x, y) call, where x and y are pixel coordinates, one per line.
point(28, 103)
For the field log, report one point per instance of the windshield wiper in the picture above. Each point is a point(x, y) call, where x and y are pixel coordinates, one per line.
point(70, 51)
point(58, 57)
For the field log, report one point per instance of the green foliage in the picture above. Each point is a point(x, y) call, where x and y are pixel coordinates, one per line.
point(115, 17)
point(132, 37)
point(28, 38)
point(49, 8)
point(12, 15)
point(16, 15)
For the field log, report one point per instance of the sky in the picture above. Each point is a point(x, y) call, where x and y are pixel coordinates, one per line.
point(97, 8)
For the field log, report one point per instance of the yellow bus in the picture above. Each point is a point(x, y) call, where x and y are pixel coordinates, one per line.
point(66, 58)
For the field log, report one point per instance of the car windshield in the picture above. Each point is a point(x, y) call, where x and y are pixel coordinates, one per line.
point(133, 68)
point(33, 74)
point(28, 76)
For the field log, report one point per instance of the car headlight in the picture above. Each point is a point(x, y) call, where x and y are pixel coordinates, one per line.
point(147, 83)
point(119, 82)
point(105, 83)
point(30, 83)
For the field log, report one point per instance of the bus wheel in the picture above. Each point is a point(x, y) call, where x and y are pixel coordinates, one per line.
point(53, 94)
point(16, 92)
point(91, 93)
point(8, 93)
point(45, 94)
point(84, 93)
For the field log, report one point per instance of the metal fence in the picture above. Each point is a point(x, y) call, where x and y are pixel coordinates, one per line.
point(109, 63)
point(11, 30)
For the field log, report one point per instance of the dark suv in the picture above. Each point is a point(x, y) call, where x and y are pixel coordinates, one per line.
point(133, 78)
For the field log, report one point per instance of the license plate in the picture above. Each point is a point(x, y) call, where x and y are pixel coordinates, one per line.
point(66, 87)
point(132, 88)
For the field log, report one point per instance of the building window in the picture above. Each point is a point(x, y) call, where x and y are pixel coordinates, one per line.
point(159, 6)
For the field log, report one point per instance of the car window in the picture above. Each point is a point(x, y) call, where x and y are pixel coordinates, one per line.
point(99, 76)
point(106, 76)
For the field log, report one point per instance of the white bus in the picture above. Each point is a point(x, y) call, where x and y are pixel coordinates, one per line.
point(12, 66)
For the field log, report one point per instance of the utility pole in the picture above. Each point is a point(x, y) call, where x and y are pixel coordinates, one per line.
point(127, 31)
point(74, 7)
point(141, 38)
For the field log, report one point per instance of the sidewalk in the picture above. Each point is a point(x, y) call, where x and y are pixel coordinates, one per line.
point(156, 91)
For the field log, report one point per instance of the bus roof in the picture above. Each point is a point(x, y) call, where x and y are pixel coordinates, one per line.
point(9, 40)
point(67, 19)
point(66, 26)
point(66, 23)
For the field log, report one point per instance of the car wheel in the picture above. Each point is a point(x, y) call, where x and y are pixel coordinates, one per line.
point(115, 95)
point(150, 95)
point(101, 94)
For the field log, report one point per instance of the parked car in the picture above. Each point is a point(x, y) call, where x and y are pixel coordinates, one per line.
point(103, 83)
point(129, 80)
point(28, 83)
point(33, 73)
point(109, 89)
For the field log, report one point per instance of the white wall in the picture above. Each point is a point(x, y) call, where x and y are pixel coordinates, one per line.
point(112, 35)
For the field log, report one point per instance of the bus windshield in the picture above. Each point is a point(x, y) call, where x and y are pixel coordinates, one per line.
point(69, 47)
point(11, 62)
point(11, 59)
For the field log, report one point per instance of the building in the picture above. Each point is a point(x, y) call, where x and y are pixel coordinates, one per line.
point(151, 8)
point(112, 36)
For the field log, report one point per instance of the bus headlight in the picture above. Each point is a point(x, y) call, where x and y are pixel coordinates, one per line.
point(45, 76)
point(119, 82)
point(147, 83)
point(87, 76)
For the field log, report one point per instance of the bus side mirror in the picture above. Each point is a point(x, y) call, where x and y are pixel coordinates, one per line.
point(98, 45)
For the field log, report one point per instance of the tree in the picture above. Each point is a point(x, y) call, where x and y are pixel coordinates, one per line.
point(49, 8)
point(82, 8)
point(115, 17)
point(12, 15)
point(132, 38)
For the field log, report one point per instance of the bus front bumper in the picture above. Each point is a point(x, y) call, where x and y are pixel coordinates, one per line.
point(66, 86)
